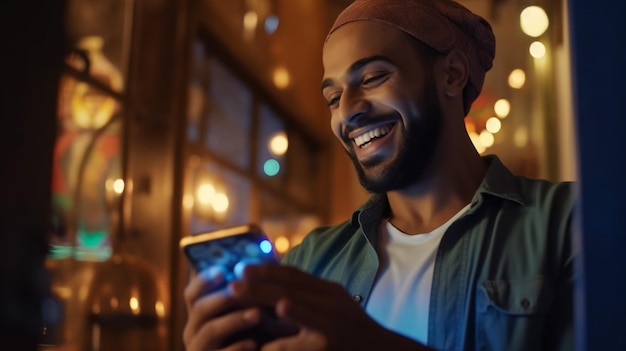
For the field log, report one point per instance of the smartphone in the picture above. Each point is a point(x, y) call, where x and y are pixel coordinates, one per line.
point(229, 249)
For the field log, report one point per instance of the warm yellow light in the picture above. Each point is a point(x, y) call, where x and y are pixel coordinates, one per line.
point(520, 137)
point(220, 203)
point(118, 186)
point(281, 78)
point(486, 138)
point(493, 125)
point(278, 144)
point(502, 108)
point(159, 308)
point(534, 21)
point(517, 78)
point(281, 244)
point(206, 193)
point(476, 141)
point(133, 303)
point(537, 49)
point(250, 21)
point(91, 111)
point(114, 302)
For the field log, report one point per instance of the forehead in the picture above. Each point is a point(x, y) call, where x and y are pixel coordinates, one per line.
point(354, 41)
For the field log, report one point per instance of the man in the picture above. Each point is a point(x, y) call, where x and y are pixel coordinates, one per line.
point(452, 252)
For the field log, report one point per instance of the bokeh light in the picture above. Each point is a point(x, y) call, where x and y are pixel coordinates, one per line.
point(279, 144)
point(271, 167)
point(250, 21)
point(206, 193)
point(517, 78)
point(220, 203)
point(271, 24)
point(534, 21)
point(265, 246)
point(134, 304)
point(282, 244)
point(118, 186)
point(281, 77)
point(476, 141)
point(493, 125)
point(537, 49)
point(502, 108)
point(486, 138)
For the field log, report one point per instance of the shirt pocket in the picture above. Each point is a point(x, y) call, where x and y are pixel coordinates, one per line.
point(511, 314)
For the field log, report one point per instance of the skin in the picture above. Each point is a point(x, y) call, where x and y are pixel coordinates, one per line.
point(438, 193)
point(407, 96)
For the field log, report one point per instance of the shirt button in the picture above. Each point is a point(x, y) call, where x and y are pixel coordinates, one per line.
point(525, 303)
point(356, 298)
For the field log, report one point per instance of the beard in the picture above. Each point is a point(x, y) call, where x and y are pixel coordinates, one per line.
point(415, 152)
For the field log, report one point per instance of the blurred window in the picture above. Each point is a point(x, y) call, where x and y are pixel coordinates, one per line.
point(248, 152)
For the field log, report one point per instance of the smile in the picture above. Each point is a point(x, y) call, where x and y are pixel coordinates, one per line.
point(367, 137)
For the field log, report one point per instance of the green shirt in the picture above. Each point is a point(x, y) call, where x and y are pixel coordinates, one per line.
point(503, 275)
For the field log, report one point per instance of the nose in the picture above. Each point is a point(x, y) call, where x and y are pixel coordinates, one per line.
point(352, 108)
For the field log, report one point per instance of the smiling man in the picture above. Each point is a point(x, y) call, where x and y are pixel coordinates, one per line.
point(452, 251)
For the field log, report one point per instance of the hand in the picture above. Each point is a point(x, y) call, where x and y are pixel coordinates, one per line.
point(328, 317)
point(214, 315)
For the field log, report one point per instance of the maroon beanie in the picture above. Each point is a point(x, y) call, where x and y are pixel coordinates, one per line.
point(442, 25)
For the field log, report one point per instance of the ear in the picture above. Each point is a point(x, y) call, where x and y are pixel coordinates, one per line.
point(456, 72)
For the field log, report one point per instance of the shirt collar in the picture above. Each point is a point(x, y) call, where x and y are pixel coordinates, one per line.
point(498, 182)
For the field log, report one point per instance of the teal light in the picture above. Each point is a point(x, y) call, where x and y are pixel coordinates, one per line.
point(271, 167)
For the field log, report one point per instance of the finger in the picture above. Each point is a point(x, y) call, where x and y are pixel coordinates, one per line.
point(206, 281)
point(204, 309)
point(291, 279)
point(213, 333)
point(323, 316)
point(280, 274)
point(322, 295)
point(301, 314)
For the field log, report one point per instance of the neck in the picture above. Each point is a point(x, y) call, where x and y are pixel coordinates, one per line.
point(445, 189)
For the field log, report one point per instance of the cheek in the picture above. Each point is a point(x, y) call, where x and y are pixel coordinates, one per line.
point(335, 125)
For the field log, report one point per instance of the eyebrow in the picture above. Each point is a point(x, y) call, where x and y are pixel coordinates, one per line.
point(357, 66)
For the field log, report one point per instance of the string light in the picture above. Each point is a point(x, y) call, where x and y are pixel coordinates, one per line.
point(493, 125)
point(486, 138)
point(517, 78)
point(502, 108)
point(537, 49)
point(534, 21)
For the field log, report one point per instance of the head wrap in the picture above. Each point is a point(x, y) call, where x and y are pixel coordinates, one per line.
point(442, 25)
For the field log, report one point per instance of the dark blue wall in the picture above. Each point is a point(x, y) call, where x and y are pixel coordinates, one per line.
point(598, 33)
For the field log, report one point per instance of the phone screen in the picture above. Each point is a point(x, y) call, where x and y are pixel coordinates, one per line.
point(229, 249)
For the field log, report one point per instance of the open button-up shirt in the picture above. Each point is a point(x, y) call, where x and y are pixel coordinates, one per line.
point(503, 276)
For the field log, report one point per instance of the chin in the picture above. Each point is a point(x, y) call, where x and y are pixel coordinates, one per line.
point(378, 178)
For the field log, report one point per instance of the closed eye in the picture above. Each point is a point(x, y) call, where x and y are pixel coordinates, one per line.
point(333, 101)
point(374, 79)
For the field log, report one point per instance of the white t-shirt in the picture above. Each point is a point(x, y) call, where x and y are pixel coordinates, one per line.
point(401, 295)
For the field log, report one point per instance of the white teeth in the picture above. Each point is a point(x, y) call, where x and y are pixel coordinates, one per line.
point(366, 137)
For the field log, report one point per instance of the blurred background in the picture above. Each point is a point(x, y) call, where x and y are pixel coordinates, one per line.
point(173, 118)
